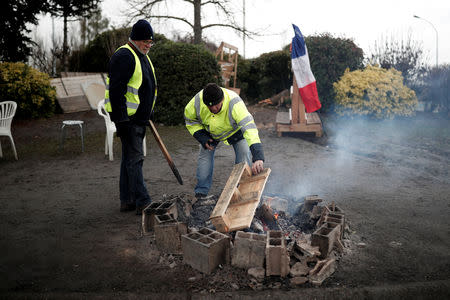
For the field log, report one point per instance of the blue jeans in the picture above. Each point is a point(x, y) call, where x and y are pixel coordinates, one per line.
point(132, 186)
point(205, 164)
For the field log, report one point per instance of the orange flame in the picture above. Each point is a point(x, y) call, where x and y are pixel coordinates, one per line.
point(275, 216)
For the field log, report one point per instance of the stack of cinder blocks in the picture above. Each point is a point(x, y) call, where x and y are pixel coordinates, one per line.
point(251, 250)
point(157, 208)
point(205, 249)
point(330, 229)
point(161, 217)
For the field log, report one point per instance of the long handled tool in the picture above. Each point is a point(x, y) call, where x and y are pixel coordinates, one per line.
point(165, 152)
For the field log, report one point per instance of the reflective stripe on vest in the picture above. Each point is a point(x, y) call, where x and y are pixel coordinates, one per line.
point(132, 94)
point(226, 134)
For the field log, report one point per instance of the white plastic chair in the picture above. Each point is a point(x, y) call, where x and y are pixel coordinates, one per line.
point(7, 112)
point(110, 130)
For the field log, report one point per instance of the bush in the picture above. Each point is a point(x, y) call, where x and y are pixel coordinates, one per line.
point(265, 76)
point(181, 71)
point(436, 87)
point(374, 92)
point(329, 58)
point(28, 87)
point(95, 57)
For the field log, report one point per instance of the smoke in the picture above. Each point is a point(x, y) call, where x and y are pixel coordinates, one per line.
point(361, 155)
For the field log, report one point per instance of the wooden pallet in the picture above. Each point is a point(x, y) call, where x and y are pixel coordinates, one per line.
point(70, 93)
point(240, 197)
point(227, 58)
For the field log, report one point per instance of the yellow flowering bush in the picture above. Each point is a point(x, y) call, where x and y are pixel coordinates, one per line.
point(374, 92)
point(28, 87)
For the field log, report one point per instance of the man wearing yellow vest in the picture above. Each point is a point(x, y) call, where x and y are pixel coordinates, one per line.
point(130, 97)
point(217, 114)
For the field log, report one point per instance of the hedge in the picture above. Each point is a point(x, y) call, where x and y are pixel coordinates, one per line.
point(181, 70)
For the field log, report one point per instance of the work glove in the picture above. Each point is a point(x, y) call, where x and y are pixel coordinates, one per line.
point(123, 128)
point(204, 138)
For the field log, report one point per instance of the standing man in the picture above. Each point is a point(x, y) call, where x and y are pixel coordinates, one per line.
point(217, 114)
point(130, 97)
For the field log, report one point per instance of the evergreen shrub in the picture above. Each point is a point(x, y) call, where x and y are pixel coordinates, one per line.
point(374, 92)
point(28, 87)
point(182, 70)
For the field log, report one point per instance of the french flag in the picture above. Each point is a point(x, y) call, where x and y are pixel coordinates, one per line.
point(302, 72)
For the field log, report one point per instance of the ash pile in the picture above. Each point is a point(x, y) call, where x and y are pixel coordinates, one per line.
point(279, 249)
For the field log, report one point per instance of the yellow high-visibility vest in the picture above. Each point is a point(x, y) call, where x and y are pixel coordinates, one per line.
point(133, 86)
point(232, 117)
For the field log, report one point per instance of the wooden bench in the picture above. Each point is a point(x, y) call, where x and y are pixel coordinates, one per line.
point(299, 120)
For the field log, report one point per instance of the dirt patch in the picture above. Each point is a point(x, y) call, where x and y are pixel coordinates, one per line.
point(62, 233)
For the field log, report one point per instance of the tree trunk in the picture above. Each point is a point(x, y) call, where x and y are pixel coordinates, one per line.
point(65, 47)
point(197, 22)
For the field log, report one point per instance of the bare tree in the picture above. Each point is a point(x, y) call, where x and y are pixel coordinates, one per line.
point(405, 56)
point(93, 25)
point(150, 9)
point(70, 10)
point(44, 57)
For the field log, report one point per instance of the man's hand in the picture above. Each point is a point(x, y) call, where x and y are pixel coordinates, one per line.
point(122, 128)
point(257, 167)
point(210, 144)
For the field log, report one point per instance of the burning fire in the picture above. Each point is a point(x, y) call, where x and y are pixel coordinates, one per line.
point(275, 215)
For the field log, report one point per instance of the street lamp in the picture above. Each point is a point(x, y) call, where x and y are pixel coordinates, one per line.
point(436, 36)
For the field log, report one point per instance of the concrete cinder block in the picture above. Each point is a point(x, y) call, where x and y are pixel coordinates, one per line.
point(148, 216)
point(170, 207)
point(325, 237)
point(157, 208)
point(277, 258)
point(310, 202)
point(322, 271)
point(205, 249)
point(335, 209)
point(248, 250)
point(168, 234)
point(336, 219)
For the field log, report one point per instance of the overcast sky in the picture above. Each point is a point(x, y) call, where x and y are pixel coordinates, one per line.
point(363, 21)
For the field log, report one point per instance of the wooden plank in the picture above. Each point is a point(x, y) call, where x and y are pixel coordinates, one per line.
point(74, 103)
point(313, 118)
point(257, 177)
point(283, 117)
point(236, 196)
point(245, 199)
point(299, 127)
point(301, 110)
point(227, 193)
point(60, 90)
point(222, 223)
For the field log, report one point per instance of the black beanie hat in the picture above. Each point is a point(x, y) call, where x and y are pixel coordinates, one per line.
point(142, 30)
point(212, 94)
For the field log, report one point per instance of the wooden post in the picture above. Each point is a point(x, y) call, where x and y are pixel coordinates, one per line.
point(295, 104)
point(298, 108)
